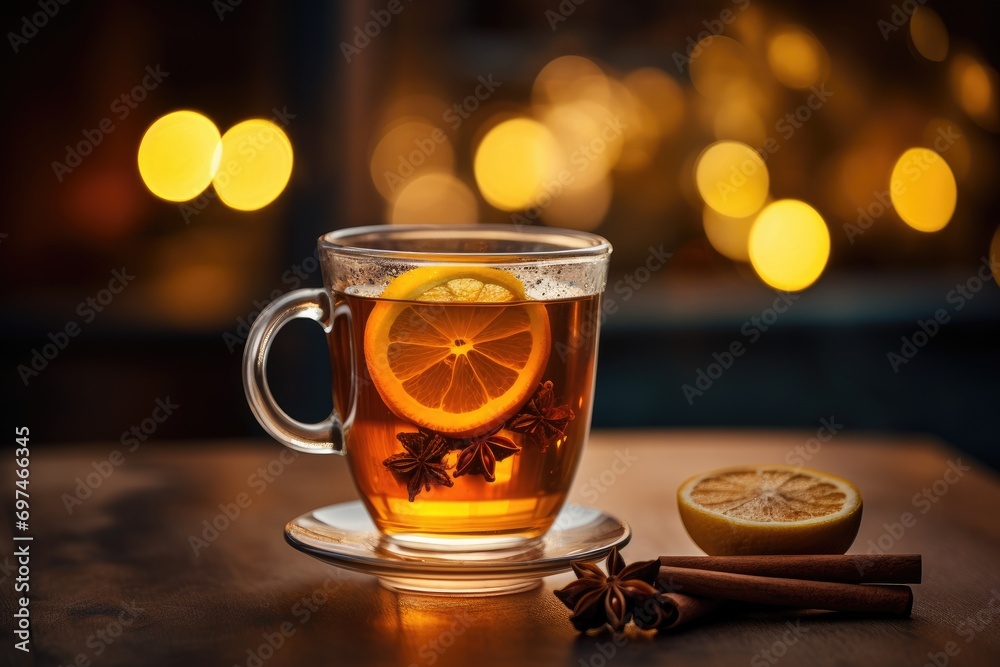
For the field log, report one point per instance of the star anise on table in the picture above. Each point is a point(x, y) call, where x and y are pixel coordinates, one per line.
point(422, 462)
point(541, 419)
point(481, 453)
point(597, 598)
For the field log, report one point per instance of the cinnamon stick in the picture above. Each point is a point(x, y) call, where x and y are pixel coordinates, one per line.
point(678, 609)
point(848, 569)
point(797, 593)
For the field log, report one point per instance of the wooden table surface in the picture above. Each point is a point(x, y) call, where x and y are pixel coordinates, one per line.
point(118, 581)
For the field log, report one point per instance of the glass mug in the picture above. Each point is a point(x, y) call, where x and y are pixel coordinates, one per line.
point(463, 360)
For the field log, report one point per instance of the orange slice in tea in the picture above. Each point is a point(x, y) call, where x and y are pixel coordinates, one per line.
point(447, 354)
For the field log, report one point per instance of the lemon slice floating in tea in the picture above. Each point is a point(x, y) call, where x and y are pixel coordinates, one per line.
point(447, 355)
point(770, 509)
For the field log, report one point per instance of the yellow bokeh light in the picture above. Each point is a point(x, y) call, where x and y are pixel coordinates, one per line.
point(929, 35)
point(729, 236)
point(789, 245)
point(661, 94)
point(656, 109)
point(514, 162)
point(732, 178)
point(411, 147)
point(590, 138)
point(179, 155)
point(437, 198)
point(975, 92)
point(627, 121)
point(256, 164)
point(923, 190)
point(569, 79)
point(581, 208)
point(722, 67)
point(750, 26)
point(737, 119)
point(797, 58)
point(975, 88)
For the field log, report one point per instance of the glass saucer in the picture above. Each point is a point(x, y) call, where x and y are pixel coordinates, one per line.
point(345, 536)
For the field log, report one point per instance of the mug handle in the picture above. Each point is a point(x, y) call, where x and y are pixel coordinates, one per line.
point(325, 437)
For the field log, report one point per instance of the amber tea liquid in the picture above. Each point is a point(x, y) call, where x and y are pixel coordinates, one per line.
point(529, 487)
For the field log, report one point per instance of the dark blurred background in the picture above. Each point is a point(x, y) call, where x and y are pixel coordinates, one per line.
point(867, 80)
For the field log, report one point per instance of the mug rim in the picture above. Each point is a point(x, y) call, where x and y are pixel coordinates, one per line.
point(576, 244)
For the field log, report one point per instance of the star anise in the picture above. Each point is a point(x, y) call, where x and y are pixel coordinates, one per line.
point(481, 453)
point(597, 599)
point(422, 462)
point(540, 419)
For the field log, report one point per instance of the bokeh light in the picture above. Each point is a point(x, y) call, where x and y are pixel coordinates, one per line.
point(437, 198)
point(589, 139)
point(256, 164)
point(581, 208)
point(723, 68)
point(796, 58)
point(737, 119)
point(661, 95)
point(569, 79)
point(789, 245)
point(628, 123)
point(750, 26)
point(732, 178)
point(975, 88)
point(656, 111)
point(514, 162)
point(179, 154)
point(923, 190)
point(929, 34)
point(729, 236)
point(593, 117)
point(409, 147)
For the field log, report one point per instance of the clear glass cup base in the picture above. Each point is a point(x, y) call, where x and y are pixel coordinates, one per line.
point(466, 549)
point(344, 535)
point(445, 549)
point(452, 586)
